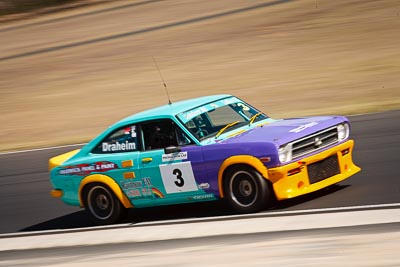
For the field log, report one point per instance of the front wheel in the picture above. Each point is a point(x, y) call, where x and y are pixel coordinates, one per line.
point(246, 191)
point(102, 205)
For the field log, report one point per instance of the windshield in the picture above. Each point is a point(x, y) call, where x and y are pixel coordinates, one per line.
point(213, 119)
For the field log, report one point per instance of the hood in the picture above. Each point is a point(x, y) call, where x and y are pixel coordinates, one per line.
point(283, 131)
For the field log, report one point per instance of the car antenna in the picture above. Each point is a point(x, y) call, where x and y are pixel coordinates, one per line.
point(162, 78)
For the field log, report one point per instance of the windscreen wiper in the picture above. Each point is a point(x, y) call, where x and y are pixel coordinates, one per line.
point(226, 127)
point(254, 117)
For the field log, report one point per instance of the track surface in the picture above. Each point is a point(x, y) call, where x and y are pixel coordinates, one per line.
point(27, 206)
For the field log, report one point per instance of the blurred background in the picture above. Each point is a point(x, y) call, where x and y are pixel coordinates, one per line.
point(68, 69)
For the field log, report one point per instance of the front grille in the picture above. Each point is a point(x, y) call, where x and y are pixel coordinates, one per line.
point(323, 169)
point(314, 142)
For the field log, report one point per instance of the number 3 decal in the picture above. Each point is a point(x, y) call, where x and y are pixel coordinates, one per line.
point(178, 177)
point(178, 174)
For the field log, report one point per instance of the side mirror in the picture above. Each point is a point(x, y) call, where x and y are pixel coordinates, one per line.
point(171, 149)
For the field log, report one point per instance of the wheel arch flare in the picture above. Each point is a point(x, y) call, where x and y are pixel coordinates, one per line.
point(108, 181)
point(248, 160)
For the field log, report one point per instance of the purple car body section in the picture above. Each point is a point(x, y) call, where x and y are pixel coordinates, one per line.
point(260, 141)
point(207, 171)
point(281, 132)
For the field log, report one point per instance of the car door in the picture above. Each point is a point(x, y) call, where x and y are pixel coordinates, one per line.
point(171, 175)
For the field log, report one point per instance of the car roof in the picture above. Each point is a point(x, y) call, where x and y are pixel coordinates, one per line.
point(172, 109)
point(165, 111)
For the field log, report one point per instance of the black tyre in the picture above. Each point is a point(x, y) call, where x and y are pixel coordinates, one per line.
point(102, 205)
point(245, 190)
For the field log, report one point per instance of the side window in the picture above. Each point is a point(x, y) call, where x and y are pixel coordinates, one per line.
point(121, 140)
point(163, 133)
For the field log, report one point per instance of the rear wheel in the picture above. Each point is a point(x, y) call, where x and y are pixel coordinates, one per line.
point(246, 191)
point(102, 205)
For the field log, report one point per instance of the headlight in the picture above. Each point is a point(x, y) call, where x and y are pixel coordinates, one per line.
point(343, 131)
point(285, 153)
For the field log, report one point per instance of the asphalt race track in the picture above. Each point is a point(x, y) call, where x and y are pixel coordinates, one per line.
point(27, 206)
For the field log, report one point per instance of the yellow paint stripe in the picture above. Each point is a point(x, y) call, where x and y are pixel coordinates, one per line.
point(237, 133)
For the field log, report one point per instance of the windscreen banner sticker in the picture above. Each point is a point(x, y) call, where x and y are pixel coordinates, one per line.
point(243, 106)
point(194, 113)
point(190, 114)
point(229, 101)
point(178, 177)
point(85, 169)
point(174, 156)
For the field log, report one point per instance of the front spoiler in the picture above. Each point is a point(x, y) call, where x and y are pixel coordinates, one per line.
point(288, 186)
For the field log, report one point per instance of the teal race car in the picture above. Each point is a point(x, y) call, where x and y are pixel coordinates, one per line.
point(203, 149)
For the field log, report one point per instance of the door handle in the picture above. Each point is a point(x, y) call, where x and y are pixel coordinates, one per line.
point(146, 160)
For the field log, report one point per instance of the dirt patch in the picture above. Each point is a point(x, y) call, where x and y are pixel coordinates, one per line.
point(66, 80)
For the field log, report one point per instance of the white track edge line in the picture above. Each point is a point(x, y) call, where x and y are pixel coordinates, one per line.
point(166, 222)
point(274, 213)
point(40, 149)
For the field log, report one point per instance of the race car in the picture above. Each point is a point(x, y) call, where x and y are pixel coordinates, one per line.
point(203, 149)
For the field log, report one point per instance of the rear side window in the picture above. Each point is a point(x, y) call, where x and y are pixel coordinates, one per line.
point(122, 140)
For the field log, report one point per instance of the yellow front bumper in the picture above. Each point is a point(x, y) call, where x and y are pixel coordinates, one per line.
point(292, 180)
